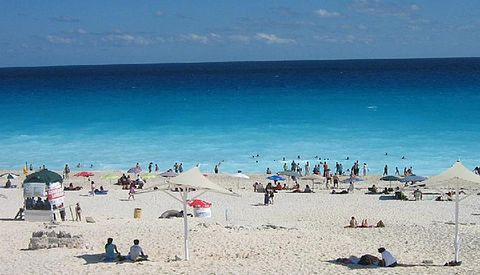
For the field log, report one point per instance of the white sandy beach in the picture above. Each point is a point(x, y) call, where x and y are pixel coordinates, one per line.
point(312, 233)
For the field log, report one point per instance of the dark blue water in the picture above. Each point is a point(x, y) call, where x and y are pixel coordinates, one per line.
point(113, 116)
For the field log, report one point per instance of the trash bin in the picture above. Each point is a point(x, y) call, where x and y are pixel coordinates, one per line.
point(137, 213)
point(202, 212)
point(201, 209)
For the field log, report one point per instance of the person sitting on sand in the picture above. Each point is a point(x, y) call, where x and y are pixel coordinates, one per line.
point(380, 224)
point(387, 259)
point(417, 194)
point(350, 187)
point(111, 251)
point(296, 188)
point(353, 223)
point(278, 187)
point(136, 252)
point(373, 189)
point(364, 223)
point(307, 189)
point(255, 186)
point(8, 184)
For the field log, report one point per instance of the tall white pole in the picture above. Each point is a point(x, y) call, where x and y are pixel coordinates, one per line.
point(185, 223)
point(456, 243)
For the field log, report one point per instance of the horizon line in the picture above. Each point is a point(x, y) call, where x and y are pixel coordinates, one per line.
point(236, 61)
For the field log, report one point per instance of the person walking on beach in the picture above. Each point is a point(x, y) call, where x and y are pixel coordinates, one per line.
point(150, 166)
point(385, 170)
point(325, 169)
point(78, 212)
point(156, 167)
point(215, 170)
point(180, 167)
point(175, 167)
point(397, 173)
point(307, 168)
point(131, 192)
point(285, 166)
point(92, 188)
point(365, 169)
point(66, 172)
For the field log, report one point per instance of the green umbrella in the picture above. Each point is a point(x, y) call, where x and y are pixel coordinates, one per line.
point(110, 177)
point(44, 176)
point(148, 176)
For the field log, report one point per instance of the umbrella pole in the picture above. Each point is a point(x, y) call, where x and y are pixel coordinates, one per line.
point(456, 242)
point(185, 223)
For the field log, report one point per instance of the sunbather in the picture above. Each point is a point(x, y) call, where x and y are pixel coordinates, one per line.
point(353, 223)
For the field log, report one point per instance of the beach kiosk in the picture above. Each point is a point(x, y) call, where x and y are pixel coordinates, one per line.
point(44, 197)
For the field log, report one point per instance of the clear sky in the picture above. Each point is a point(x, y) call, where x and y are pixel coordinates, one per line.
point(63, 32)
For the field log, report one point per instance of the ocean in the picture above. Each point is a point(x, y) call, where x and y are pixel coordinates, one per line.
point(113, 116)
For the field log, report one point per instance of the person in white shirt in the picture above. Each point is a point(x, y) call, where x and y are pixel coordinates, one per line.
point(387, 259)
point(136, 252)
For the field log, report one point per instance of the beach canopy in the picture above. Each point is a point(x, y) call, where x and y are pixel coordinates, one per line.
point(289, 173)
point(413, 178)
point(354, 179)
point(110, 177)
point(194, 179)
point(148, 176)
point(135, 170)
point(189, 181)
point(84, 174)
point(275, 178)
point(312, 177)
point(43, 176)
point(9, 176)
point(390, 178)
point(168, 174)
point(240, 175)
point(458, 176)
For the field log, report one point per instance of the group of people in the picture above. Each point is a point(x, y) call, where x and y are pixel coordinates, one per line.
point(354, 224)
point(126, 182)
point(135, 253)
point(387, 260)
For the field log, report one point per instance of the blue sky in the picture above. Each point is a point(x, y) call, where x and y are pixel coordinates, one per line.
point(34, 33)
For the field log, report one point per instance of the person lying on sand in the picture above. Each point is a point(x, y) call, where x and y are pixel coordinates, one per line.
point(111, 251)
point(173, 214)
point(366, 259)
point(72, 188)
point(364, 224)
point(136, 252)
point(341, 192)
point(307, 189)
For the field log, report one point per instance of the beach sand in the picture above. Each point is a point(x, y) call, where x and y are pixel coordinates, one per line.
point(310, 233)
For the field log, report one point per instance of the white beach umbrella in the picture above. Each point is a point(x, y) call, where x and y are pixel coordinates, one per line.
point(239, 176)
point(457, 176)
point(185, 182)
point(313, 178)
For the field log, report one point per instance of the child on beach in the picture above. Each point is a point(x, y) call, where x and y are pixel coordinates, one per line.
point(131, 192)
point(92, 187)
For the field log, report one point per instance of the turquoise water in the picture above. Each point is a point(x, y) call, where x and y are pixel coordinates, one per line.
point(114, 116)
